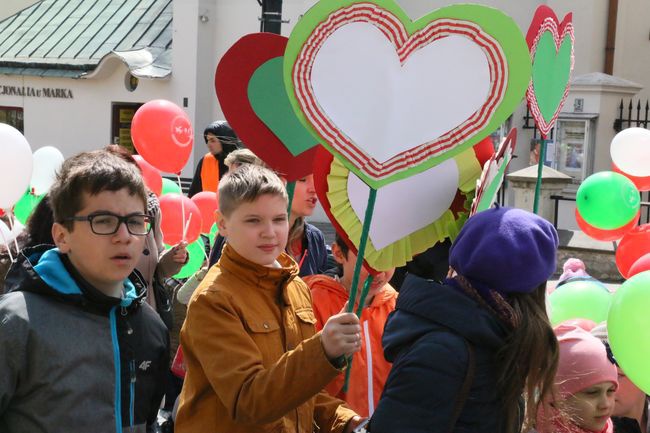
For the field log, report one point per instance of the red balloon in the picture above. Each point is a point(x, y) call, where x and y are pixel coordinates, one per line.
point(605, 235)
point(150, 174)
point(641, 265)
point(208, 203)
point(173, 223)
point(634, 245)
point(641, 183)
point(162, 134)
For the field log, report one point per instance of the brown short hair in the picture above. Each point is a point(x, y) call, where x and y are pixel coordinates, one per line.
point(246, 184)
point(241, 157)
point(92, 173)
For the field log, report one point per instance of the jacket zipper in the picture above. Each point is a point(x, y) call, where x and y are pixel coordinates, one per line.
point(132, 396)
point(118, 373)
point(371, 390)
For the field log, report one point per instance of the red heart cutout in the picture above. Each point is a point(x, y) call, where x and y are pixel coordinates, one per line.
point(234, 71)
point(322, 164)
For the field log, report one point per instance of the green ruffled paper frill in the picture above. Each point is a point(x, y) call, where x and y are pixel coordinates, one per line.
point(403, 250)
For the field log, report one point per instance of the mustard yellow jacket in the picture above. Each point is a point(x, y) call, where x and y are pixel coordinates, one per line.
point(254, 360)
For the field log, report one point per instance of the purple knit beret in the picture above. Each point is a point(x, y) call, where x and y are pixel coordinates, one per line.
point(505, 249)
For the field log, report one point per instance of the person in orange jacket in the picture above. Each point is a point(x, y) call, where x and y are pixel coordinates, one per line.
point(329, 295)
point(221, 141)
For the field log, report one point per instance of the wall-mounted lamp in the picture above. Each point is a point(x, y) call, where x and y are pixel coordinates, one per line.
point(204, 18)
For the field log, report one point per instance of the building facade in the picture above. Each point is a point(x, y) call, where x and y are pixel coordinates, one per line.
point(71, 76)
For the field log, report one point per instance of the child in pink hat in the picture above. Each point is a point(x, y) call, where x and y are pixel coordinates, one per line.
point(585, 386)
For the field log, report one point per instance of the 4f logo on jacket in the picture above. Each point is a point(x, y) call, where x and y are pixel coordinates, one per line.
point(144, 365)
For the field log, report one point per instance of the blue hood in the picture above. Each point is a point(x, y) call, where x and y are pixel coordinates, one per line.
point(424, 306)
point(46, 265)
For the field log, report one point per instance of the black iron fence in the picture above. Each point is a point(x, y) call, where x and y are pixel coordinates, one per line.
point(631, 116)
point(644, 216)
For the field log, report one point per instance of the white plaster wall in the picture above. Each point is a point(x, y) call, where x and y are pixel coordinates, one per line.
point(632, 55)
point(84, 122)
point(590, 28)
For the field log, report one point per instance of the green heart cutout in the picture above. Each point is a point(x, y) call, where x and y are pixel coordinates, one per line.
point(269, 100)
point(551, 72)
point(498, 25)
point(489, 195)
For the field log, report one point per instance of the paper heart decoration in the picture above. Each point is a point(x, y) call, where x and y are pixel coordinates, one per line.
point(551, 50)
point(270, 102)
point(393, 97)
point(410, 215)
point(494, 171)
point(322, 163)
point(232, 79)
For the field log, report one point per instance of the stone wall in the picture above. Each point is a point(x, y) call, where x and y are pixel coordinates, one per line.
point(599, 257)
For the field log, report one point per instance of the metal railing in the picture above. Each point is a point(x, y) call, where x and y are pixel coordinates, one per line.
point(644, 216)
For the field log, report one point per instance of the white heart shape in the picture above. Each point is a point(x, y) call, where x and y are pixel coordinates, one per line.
point(386, 107)
point(406, 205)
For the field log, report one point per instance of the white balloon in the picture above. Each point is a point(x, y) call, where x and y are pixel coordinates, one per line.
point(9, 235)
point(47, 160)
point(15, 165)
point(630, 151)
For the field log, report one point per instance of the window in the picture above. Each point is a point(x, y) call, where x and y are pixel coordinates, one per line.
point(571, 148)
point(121, 125)
point(12, 116)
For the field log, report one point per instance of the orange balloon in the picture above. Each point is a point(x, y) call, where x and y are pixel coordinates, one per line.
point(150, 174)
point(173, 222)
point(642, 183)
point(162, 133)
point(642, 264)
point(634, 245)
point(606, 235)
point(208, 203)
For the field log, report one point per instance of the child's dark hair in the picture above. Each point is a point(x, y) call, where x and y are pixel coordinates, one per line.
point(39, 224)
point(338, 240)
point(528, 360)
point(92, 173)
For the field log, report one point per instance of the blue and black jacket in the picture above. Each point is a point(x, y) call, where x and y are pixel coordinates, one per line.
point(74, 359)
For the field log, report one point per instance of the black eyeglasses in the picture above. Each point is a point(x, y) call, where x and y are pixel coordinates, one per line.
point(107, 223)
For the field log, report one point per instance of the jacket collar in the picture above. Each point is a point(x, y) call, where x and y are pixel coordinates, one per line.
point(46, 271)
point(262, 277)
point(334, 286)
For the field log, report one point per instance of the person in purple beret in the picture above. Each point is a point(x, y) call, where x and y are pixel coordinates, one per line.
point(470, 354)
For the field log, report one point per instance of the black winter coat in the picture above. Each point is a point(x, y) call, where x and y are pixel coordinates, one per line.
point(424, 338)
point(64, 344)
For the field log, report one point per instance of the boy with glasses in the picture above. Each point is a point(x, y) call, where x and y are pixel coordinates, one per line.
point(81, 351)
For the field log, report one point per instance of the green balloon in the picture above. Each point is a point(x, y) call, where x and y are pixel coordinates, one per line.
point(213, 234)
point(628, 329)
point(608, 200)
point(196, 252)
point(169, 186)
point(580, 300)
point(24, 207)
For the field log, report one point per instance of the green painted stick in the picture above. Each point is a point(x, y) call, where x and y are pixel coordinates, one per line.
point(362, 249)
point(291, 189)
point(540, 166)
point(357, 268)
point(364, 294)
point(362, 300)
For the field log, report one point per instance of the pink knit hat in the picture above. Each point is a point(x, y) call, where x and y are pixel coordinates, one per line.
point(583, 361)
point(573, 268)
